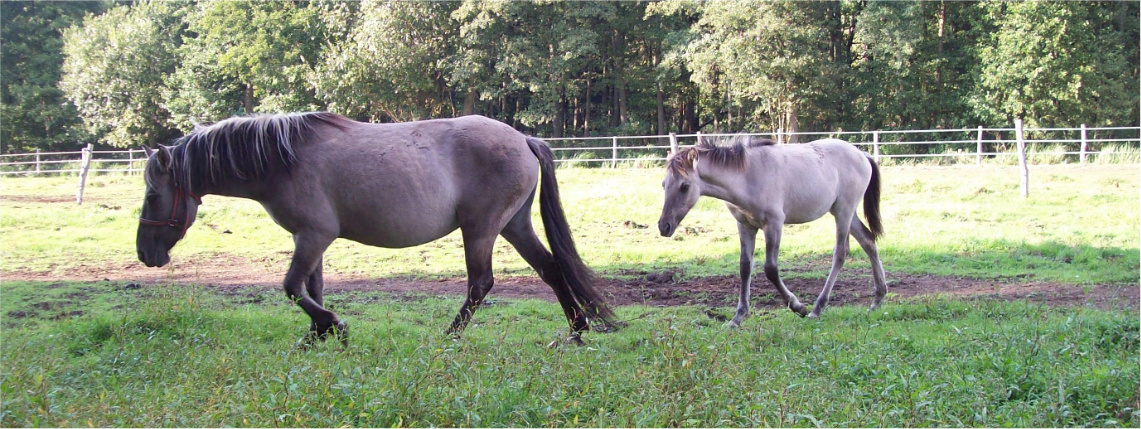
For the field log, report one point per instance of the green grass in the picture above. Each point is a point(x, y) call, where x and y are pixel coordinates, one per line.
point(184, 356)
point(102, 354)
point(1079, 226)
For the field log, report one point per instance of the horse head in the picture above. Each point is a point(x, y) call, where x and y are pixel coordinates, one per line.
point(169, 209)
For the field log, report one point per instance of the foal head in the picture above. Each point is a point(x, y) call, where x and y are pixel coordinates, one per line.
point(683, 183)
point(682, 186)
point(168, 209)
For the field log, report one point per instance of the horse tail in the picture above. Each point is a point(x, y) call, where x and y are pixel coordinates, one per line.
point(872, 201)
point(575, 274)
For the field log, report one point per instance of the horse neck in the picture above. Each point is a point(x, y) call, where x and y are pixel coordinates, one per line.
point(720, 182)
point(256, 189)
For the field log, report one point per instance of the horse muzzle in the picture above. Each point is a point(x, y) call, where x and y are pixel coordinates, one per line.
point(666, 228)
point(154, 259)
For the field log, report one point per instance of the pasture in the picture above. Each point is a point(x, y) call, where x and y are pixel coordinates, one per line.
point(1001, 311)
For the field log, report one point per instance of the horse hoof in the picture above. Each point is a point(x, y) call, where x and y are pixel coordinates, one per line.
point(799, 309)
point(575, 339)
point(814, 315)
point(341, 331)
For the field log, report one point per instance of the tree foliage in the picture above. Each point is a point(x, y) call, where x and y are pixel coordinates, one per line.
point(141, 72)
point(35, 113)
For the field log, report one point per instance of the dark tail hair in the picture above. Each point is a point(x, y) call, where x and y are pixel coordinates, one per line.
point(577, 276)
point(872, 201)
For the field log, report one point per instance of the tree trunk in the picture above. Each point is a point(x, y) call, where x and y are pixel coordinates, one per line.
point(689, 117)
point(793, 124)
point(586, 115)
point(469, 102)
point(661, 110)
point(248, 99)
point(560, 114)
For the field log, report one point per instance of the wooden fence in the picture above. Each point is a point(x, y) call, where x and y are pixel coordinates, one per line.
point(960, 145)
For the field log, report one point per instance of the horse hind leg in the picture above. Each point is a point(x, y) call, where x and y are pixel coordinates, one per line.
point(867, 241)
point(520, 233)
point(839, 254)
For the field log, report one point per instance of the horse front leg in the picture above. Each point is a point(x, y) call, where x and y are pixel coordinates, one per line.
point(315, 286)
point(748, 236)
point(305, 266)
point(772, 249)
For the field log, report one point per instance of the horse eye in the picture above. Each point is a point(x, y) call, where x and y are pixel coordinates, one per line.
point(685, 187)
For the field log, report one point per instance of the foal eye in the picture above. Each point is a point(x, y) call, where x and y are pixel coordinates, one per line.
point(685, 187)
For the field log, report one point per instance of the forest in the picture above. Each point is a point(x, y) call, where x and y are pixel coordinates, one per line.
point(124, 74)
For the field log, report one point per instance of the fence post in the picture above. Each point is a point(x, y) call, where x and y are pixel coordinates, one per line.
point(1085, 143)
point(130, 161)
point(1022, 157)
point(85, 164)
point(780, 136)
point(699, 138)
point(876, 146)
point(37, 162)
point(614, 154)
point(979, 151)
point(673, 143)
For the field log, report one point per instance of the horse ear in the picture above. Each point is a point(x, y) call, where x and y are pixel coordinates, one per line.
point(150, 152)
point(164, 157)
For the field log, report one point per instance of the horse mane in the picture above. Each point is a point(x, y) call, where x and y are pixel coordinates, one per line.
point(244, 147)
point(732, 156)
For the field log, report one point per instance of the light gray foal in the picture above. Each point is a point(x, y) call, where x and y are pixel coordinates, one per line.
point(767, 186)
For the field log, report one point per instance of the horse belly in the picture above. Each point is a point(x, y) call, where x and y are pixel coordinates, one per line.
point(397, 228)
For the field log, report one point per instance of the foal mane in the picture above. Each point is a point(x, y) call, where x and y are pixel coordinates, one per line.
point(244, 147)
point(732, 156)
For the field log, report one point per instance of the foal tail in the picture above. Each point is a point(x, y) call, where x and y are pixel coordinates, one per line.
point(577, 276)
point(872, 201)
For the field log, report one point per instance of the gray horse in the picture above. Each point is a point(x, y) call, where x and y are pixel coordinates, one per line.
point(767, 186)
point(322, 177)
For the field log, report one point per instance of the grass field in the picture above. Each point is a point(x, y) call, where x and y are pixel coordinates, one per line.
point(94, 353)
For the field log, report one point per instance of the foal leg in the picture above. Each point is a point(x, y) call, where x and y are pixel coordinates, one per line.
point(308, 248)
point(772, 249)
point(839, 253)
point(867, 241)
point(748, 236)
point(477, 254)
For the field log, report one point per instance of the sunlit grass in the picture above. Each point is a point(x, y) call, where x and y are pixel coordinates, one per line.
point(1080, 225)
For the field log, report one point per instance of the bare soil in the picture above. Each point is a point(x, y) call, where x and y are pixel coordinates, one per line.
point(654, 288)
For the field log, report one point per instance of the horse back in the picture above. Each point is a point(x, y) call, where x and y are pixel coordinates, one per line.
point(405, 184)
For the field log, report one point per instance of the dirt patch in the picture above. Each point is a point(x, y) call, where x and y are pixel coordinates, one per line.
point(655, 288)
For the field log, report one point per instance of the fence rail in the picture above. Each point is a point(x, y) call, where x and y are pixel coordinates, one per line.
point(978, 143)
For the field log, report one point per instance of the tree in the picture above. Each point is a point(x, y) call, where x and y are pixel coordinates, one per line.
point(34, 112)
point(389, 65)
point(1058, 64)
point(246, 57)
point(771, 64)
point(115, 67)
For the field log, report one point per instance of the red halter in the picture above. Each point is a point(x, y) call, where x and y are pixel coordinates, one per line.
point(175, 222)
